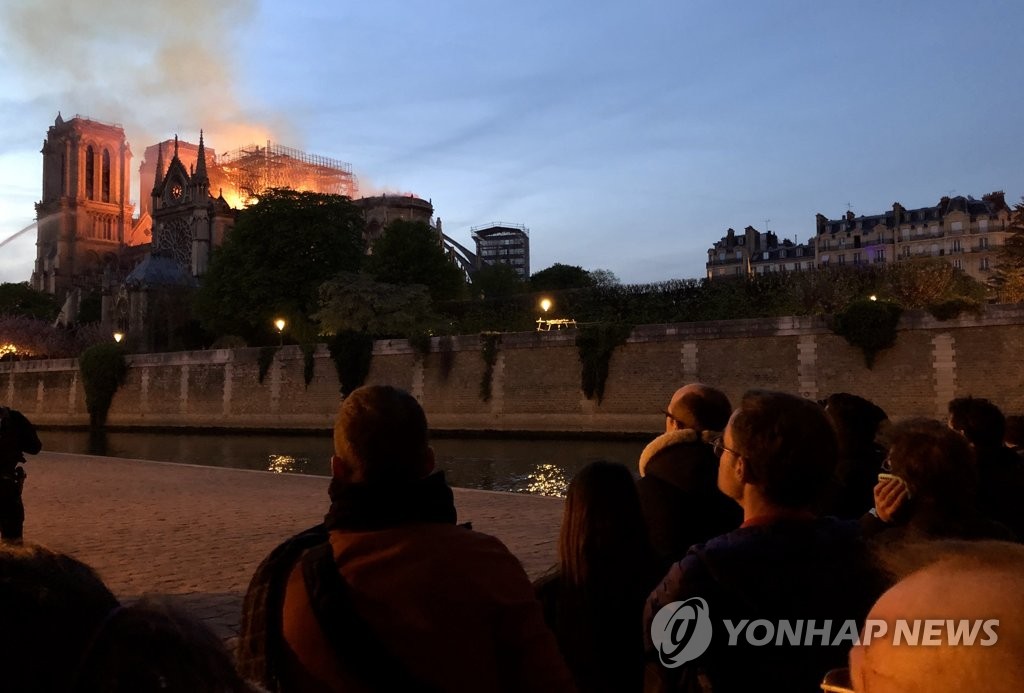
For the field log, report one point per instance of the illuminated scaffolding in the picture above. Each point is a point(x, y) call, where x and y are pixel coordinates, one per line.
point(248, 171)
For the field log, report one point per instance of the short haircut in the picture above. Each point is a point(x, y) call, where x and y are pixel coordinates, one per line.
point(704, 408)
point(981, 421)
point(52, 605)
point(380, 434)
point(936, 462)
point(856, 420)
point(788, 446)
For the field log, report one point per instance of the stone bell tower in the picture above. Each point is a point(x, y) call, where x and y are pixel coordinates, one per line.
point(85, 210)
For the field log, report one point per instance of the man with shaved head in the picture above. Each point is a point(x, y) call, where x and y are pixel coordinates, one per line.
point(678, 486)
point(964, 582)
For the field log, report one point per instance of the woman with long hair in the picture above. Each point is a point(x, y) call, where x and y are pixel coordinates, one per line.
point(593, 600)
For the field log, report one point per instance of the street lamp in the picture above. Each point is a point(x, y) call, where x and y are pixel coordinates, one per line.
point(118, 336)
point(279, 324)
point(873, 297)
point(545, 304)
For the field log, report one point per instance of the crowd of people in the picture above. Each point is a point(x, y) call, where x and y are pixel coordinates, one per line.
point(817, 519)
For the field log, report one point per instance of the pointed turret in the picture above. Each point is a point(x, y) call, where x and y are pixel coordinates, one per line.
point(158, 178)
point(201, 177)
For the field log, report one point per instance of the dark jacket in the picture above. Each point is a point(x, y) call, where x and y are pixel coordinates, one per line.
point(17, 436)
point(1001, 487)
point(599, 630)
point(679, 494)
point(786, 569)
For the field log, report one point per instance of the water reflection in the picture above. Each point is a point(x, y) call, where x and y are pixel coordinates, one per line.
point(547, 480)
point(542, 467)
point(287, 464)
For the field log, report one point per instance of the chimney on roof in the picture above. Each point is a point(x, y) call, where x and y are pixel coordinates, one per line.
point(897, 213)
point(820, 223)
point(996, 199)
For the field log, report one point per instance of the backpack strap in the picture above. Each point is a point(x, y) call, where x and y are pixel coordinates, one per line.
point(357, 647)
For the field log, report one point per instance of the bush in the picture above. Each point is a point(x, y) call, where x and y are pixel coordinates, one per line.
point(868, 325)
point(952, 309)
point(351, 352)
point(489, 342)
point(596, 344)
point(103, 369)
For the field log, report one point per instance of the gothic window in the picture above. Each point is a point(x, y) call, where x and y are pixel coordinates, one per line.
point(175, 242)
point(90, 163)
point(105, 181)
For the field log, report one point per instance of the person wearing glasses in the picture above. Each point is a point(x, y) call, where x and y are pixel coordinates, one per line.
point(678, 475)
point(777, 455)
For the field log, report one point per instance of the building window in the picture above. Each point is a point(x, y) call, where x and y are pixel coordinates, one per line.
point(880, 254)
point(983, 264)
point(983, 224)
point(956, 246)
point(842, 259)
point(856, 258)
point(90, 164)
point(983, 243)
point(105, 177)
point(957, 226)
point(958, 264)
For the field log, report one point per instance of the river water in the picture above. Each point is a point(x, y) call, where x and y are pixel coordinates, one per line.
point(542, 467)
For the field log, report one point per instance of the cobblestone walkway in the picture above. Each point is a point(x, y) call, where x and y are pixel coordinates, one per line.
point(196, 534)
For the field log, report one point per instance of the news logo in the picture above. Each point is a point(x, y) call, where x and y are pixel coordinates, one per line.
point(681, 631)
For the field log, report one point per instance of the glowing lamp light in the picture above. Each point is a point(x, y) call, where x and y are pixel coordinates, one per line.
point(279, 324)
point(873, 297)
point(118, 336)
point(545, 304)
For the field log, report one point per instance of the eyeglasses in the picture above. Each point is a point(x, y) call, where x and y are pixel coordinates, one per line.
point(837, 681)
point(887, 465)
point(718, 445)
point(665, 412)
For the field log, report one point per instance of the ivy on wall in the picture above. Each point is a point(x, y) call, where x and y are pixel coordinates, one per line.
point(420, 343)
point(869, 326)
point(596, 344)
point(489, 342)
point(351, 352)
point(308, 362)
point(266, 359)
point(446, 349)
point(103, 369)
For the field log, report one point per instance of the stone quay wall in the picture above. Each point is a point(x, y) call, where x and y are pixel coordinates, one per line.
point(536, 379)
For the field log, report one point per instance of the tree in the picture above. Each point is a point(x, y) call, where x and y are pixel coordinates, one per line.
point(410, 252)
point(358, 303)
point(915, 284)
point(1008, 278)
point(21, 299)
point(604, 278)
point(559, 276)
point(497, 281)
point(274, 260)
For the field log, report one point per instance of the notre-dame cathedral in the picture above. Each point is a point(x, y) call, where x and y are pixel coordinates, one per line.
point(145, 265)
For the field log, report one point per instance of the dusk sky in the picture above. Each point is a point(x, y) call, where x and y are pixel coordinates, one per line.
point(626, 136)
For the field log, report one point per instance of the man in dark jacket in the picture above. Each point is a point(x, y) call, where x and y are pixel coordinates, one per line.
point(784, 564)
point(678, 475)
point(1000, 469)
point(17, 436)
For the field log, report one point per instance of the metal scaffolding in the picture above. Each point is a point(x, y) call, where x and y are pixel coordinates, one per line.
point(248, 171)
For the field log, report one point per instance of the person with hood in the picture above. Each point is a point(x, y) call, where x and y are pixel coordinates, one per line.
point(678, 486)
point(784, 563)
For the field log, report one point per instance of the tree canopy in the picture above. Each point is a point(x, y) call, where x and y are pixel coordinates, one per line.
point(357, 303)
point(274, 260)
point(409, 252)
point(21, 299)
point(1008, 278)
point(497, 281)
point(559, 277)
